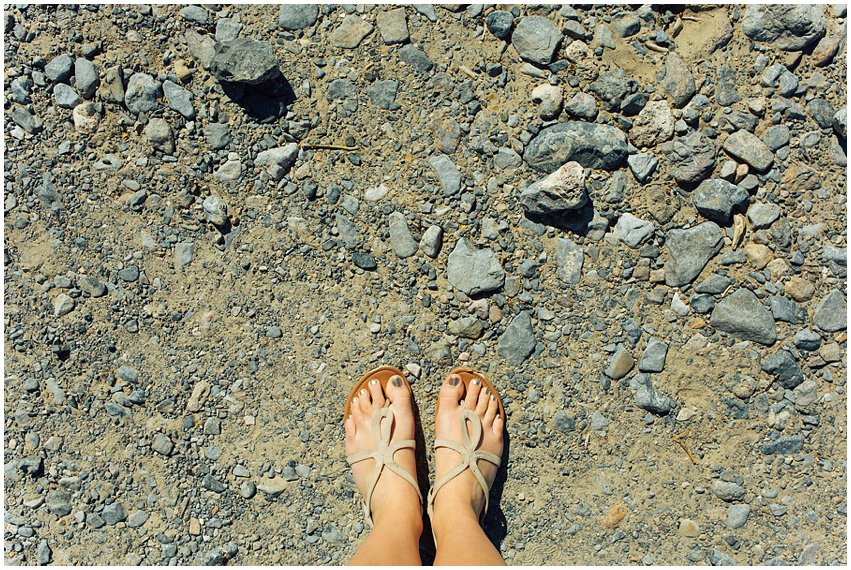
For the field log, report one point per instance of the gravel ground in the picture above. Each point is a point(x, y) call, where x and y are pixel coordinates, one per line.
point(217, 218)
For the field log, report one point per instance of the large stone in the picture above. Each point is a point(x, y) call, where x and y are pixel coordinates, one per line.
point(557, 193)
point(393, 26)
point(649, 398)
point(158, 133)
point(142, 93)
point(474, 271)
point(517, 343)
point(741, 315)
point(653, 125)
point(653, 358)
point(59, 68)
point(676, 80)
point(789, 27)
point(748, 147)
point(58, 502)
point(717, 199)
point(633, 231)
point(85, 77)
point(570, 258)
point(831, 314)
point(245, 61)
point(179, 99)
point(727, 491)
point(620, 363)
point(592, 145)
point(277, 161)
point(690, 250)
point(350, 33)
point(401, 240)
point(536, 39)
point(298, 16)
point(692, 158)
point(447, 173)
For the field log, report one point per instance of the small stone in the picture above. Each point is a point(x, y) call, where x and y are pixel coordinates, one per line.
point(688, 528)
point(727, 490)
point(474, 271)
point(375, 193)
point(142, 93)
point(690, 251)
point(620, 363)
point(719, 558)
point(517, 343)
point(499, 23)
point(536, 39)
point(244, 60)
point(783, 445)
point(563, 422)
point(653, 358)
point(393, 26)
point(212, 484)
point(747, 147)
point(217, 136)
point(762, 215)
point(382, 94)
point(741, 315)
point(158, 133)
point(58, 502)
point(59, 68)
point(831, 313)
point(62, 305)
point(298, 16)
point(784, 368)
point(447, 173)
point(85, 77)
point(431, 241)
point(65, 96)
point(364, 261)
point(737, 515)
point(44, 554)
point(401, 240)
point(467, 327)
point(570, 258)
point(162, 444)
point(642, 165)
point(717, 200)
point(129, 274)
point(805, 394)
point(350, 33)
point(183, 254)
point(227, 30)
point(247, 490)
point(114, 513)
point(676, 80)
point(416, 58)
point(557, 193)
point(549, 100)
point(649, 398)
point(229, 171)
point(137, 519)
point(178, 99)
point(195, 14)
point(654, 125)
point(799, 289)
point(216, 210)
point(633, 231)
point(582, 106)
point(277, 161)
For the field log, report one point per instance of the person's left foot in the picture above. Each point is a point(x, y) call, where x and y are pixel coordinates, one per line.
point(393, 495)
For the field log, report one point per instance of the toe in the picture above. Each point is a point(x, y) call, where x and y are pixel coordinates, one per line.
point(490, 413)
point(399, 394)
point(351, 430)
point(364, 400)
point(356, 412)
point(376, 394)
point(451, 391)
point(473, 391)
point(498, 425)
point(482, 404)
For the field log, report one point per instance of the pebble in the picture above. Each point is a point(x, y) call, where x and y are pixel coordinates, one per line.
point(549, 99)
point(142, 93)
point(62, 305)
point(676, 80)
point(65, 96)
point(741, 315)
point(216, 210)
point(536, 39)
point(113, 514)
point(85, 77)
point(350, 33)
point(162, 444)
point(499, 23)
point(717, 200)
point(558, 193)
point(517, 343)
point(59, 68)
point(244, 61)
point(179, 99)
point(58, 502)
point(749, 148)
point(158, 133)
point(431, 241)
point(298, 16)
point(831, 313)
point(633, 231)
point(401, 240)
point(474, 271)
point(570, 259)
point(447, 173)
point(620, 363)
point(690, 250)
point(653, 357)
point(783, 366)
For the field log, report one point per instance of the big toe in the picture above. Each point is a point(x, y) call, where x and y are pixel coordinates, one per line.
point(451, 391)
point(398, 391)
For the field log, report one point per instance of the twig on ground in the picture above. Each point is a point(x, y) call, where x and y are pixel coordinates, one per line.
point(318, 146)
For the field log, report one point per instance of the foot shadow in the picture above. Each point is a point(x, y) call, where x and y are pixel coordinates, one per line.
point(427, 549)
point(265, 102)
point(577, 221)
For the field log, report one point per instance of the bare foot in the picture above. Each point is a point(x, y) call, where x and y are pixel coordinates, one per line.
point(463, 496)
point(393, 497)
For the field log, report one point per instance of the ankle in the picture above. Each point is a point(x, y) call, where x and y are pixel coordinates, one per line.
point(448, 518)
point(406, 523)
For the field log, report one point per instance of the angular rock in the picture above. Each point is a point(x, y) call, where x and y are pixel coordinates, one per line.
point(783, 445)
point(65, 96)
point(474, 271)
point(620, 363)
point(676, 80)
point(536, 39)
point(244, 60)
point(633, 231)
point(762, 214)
point(58, 502)
point(91, 285)
point(85, 77)
point(649, 398)
point(382, 94)
point(202, 47)
point(416, 58)
point(393, 26)
point(179, 99)
point(653, 358)
point(592, 145)
point(788, 27)
point(447, 173)
point(692, 158)
point(642, 165)
point(737, 515)
point(142, 93)
point(114, 513)
point(158, 133)
point(549, 99)
point(831, 314)
point(582, 106)
point(62, 305)
point(690, 250)
point(517, 343)
point(727, 490)
point(431, 241)
point(401, 240)
point(59, 68)
point(467, 327)
point(653, 125)
point(717, 199)
point(570, 258)
point(216, 210)
point(162, 444)
point(277, 161)
point(556, 194)
point(217, 135)
point(741, 315)
point(350, 33)
point(747, 147)
point(298, 16)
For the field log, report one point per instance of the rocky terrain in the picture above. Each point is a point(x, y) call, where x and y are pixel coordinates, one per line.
point(632, 218)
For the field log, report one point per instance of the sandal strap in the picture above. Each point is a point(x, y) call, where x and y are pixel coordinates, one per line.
point(383, 456)
point(470, 456)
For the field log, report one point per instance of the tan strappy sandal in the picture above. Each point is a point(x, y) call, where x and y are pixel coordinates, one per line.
point(471, 438)
point(381, 429)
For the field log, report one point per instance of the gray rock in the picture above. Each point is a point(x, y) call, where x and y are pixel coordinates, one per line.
point(653, 358)
point(91, 285)
point(582, 106)
point(467, 327)
point(506, 158)
point(690, 250)
point(216, 210)
point(431, 241)
point(393, 26)
point(598, 421)
point(807, 340)
point(805, 394)
point(202, 47)
point(570, 258)
point(822, 112)
point(142, 93)
point(536, 39)
point(627, 25)
point(401, 240)
point(727, 490)
point(642, 165)
point(840, 122)
point(162, 444)
point(748, 148)
point(217, 136)
point(563, 422)
point(612, 87)
point(633, 231)
point(499, 23)
point(786, 310)
point(114, 513)
point(620, 363)
point(227, 30)
point(183, 254)
point(22, 117)
point(245, 61)
point(58, 502)
point(382, 94)
point(59, 68)
point(474, 271)
point(85, 77)
point(653, 125)
point(725, 87)
point(44, 554)
point(783, 366)
point(741, 315)
point(549, 99)
point(590, 144)
point(447, 173)
point(415, 57)
point(247, 490)
point(517, 343)
point(298, 16)
point(831, 314)
point(65, 96)
point(776, 137)
point(20, 88)
point(212, 484)
point(558, 193)
point(714, 284)
point(790, 28)
point(129, 274)
point(158, 133)
point(62, 305)
point(762, 214)
point(364, 261)
point(343, 90)
point(676, 80)
point(179, 99)
point(649, 398)
point(195, 14)
point(350, 33)
point(783, 445)
point(603, 36)
point(717, 199)
point(277, 161)
point(720, 558)
point(692, 157)
point(737, 515)
point(137, 519)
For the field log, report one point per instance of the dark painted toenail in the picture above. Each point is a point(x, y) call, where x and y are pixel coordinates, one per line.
point(493, 398)
point(397, 381)
point(453, 381)
point(476, 381)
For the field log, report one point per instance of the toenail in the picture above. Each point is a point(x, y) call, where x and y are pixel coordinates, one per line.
point(355, 400)
point(477, 382)
point(362, 392)
point(373, 382)
point(397, 381)
point(493, 398)
point(486, 391)
point(453, 381)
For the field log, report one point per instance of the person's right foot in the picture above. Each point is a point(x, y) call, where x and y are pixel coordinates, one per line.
point(463, 494)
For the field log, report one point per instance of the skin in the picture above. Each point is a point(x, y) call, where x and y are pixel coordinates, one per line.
point(395, 504)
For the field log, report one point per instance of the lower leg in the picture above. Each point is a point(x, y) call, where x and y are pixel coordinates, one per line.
point(462, 542)
point(394, 541)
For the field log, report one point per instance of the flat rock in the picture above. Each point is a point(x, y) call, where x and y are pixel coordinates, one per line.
point(517, 343)
point(737, 515)
point(741, 315)
point(474, 271)
point(649, 398)
point(298, 16)
point(557, 193)
point(245, 61)
point(447, 173)
point(748, 148)
point(676, 80)
point(350, 33)
point(536, 39)
point(717, 200)
point(727, 490)
point(642, 165)
point(393, 26)
point(401, 240)
point(431, 241)
point(692, 158)
point(570, 258)
point(831, 313)
point(653, 125)
point(690, 250)
point(632, 230)
point(142, 93)
point(762, 214)
point(277, 161)
point(788, 27)
point(653, 358)
point(591, 145)
point(620, 363)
